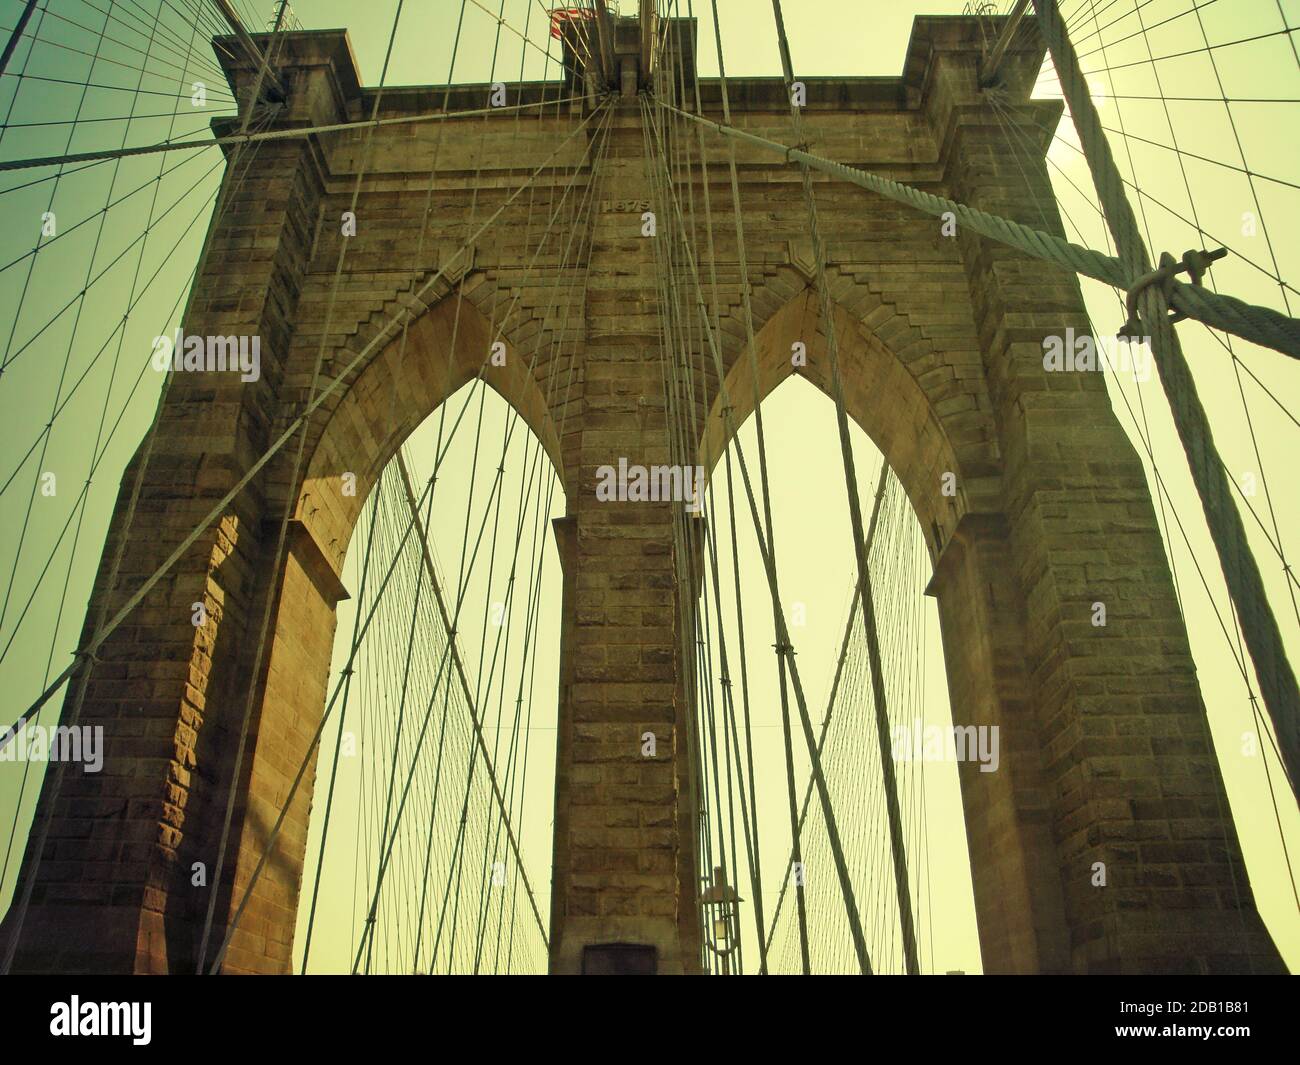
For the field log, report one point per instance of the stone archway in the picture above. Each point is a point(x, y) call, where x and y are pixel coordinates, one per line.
point(445, 347)
point(393, 393)
point(899, 415)
point(1106, 758)
point(1019, 652)
point(881, 395)
point(177, 826)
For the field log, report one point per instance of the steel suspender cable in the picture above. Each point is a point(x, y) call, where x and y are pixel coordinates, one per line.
point(16, 35)
point(1276, 678)
point(272, 594)
point(855, 516)
point(750, 349)
point(288, 800)
point(402, 316)
point(338, 741)
point(873, 648)
point(464, 681)
point(769, 564)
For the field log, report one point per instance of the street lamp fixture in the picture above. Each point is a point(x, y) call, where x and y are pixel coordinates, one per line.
point(721, 908)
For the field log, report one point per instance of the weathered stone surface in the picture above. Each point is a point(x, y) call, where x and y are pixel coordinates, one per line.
point(1107, 757)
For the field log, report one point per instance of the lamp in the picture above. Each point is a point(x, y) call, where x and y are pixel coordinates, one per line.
point(720, 903)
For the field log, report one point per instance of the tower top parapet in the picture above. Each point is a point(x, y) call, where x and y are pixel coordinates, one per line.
point(619, 53)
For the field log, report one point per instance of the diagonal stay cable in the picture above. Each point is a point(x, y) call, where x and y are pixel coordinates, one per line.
point(855, 516)
point(84, 659)
point(782, 631)
point(346, 672)
point(93, 645)
point(462, 584)
point(422, 292)
point(267, 135)
point(1262, 325)
point(855, 600)
point(1240, 570)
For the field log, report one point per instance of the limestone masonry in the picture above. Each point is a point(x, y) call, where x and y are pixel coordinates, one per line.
point(1104, 751)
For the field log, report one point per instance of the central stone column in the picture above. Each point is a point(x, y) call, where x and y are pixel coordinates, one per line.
point(624, 865)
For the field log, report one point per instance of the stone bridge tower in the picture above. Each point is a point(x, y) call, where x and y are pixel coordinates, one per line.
point(1107, 756)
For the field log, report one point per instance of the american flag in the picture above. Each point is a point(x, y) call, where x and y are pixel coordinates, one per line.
point(566, 14)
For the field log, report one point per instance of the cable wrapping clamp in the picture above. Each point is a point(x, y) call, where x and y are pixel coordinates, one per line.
point(1194, 264)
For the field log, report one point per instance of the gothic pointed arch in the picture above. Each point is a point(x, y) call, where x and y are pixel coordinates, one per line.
point(927, 421)
point(445, 346)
